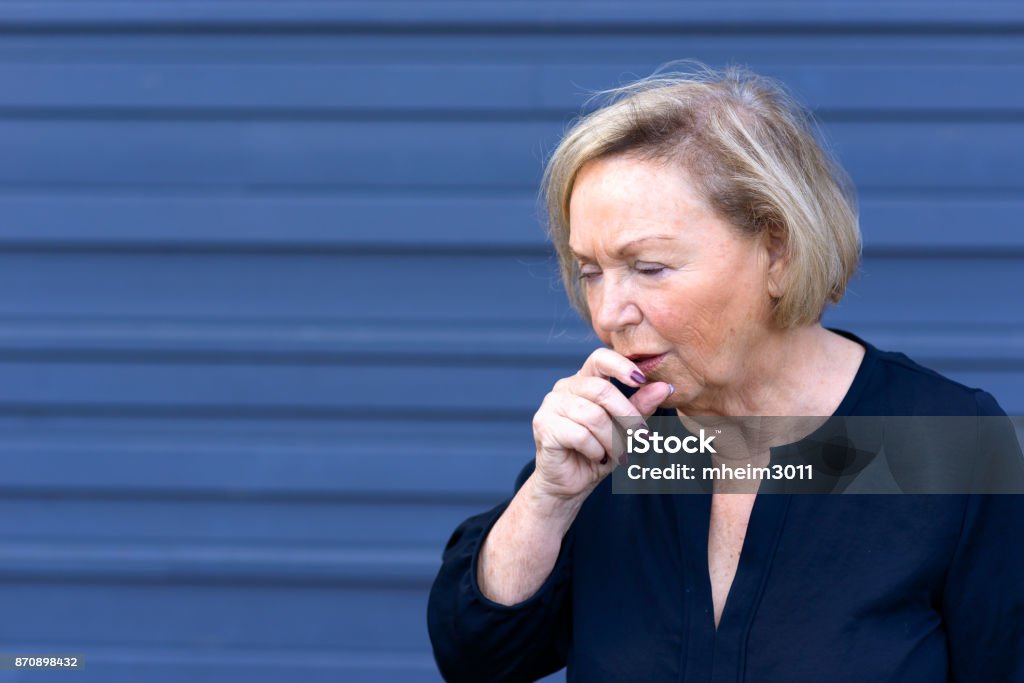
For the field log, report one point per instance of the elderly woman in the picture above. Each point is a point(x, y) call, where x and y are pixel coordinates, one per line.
point(702, 230)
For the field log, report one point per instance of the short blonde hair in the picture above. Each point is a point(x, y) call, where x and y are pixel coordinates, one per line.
point(752, 153)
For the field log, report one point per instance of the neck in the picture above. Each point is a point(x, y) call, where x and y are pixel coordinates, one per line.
point(801, 374)
point(786, 373)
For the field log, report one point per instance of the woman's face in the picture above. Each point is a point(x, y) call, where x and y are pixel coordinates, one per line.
point(664, 275)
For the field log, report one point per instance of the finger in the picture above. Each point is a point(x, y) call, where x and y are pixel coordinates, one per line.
point(620, 410)
point(606, 363)
point(590, 415)
point(603, 393)
point(571, 435)
point(647, 399)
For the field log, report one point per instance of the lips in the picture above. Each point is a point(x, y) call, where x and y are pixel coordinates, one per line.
point(646, 361)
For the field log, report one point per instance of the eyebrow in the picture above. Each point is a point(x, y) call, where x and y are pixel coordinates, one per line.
point(622, 248)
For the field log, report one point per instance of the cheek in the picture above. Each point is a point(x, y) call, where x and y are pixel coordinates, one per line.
point(736, 295)
point(749, 304)
point(699, 329)
point(676, 319)
point(690, 311)
point(704, 321)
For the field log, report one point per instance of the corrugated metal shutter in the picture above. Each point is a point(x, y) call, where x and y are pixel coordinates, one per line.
point(275, 309)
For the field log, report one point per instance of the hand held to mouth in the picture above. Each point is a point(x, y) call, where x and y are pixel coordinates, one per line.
point(574, 426)
point(573, 432)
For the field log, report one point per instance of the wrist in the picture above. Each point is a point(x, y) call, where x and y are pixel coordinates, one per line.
point(550, 508)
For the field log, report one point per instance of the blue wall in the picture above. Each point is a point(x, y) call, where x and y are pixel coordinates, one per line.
point(262, 264)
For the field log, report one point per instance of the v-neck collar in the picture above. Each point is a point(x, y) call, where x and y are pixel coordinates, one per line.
point(727, 642)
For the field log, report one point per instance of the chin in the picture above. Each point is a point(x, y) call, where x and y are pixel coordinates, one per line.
point(668, 404)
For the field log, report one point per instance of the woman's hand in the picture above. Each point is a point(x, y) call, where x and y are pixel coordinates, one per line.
point(573, 429)
point(573, 432)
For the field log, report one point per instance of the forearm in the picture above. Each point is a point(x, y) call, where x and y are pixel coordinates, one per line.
point(523, 545)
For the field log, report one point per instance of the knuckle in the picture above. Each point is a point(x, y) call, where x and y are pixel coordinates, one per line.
point(563, 384)
point(595, 359)
point(580, 434)
point(572, 433)
point(593, 413)
point(551, 403)
point(593, 386)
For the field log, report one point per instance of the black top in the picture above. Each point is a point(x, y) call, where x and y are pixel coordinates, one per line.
point(828, 587)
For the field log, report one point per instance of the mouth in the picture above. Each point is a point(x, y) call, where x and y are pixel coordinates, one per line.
point(646, 361)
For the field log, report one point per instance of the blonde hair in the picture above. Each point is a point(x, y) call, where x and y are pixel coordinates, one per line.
point(752, 153)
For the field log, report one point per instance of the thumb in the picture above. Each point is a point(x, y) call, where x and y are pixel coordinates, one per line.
point(647, 399)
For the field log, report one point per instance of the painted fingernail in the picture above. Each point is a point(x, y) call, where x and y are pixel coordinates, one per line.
point(604, 460)
point(671, 389)
point(637, 377)
point(624, 459)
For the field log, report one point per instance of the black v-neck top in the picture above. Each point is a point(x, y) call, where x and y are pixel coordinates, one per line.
point(828, 588)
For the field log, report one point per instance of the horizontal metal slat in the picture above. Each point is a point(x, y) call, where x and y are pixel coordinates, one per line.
point(422, 156)
point(463, 467)
point(394, 221)
point(518, 15)
point(33, 561)
point(216, 616)
point(432, 343)
point(507, 88)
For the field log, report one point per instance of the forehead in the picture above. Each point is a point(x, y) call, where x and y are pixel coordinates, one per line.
point(631, 165)
point(623, 199)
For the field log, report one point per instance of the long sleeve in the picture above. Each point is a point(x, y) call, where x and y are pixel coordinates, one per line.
point(983, 604)
point(476, 639)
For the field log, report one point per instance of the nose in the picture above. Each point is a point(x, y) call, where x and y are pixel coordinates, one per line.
point(612, 307)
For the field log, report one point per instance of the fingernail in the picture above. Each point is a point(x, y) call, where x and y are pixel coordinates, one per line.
point(637, 377)
point(671, 389)
point(624, 459)
point(604, 460)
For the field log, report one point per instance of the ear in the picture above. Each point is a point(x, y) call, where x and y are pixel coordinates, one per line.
point(776, 245)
